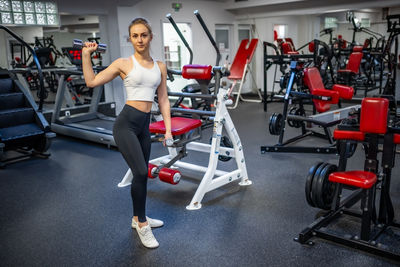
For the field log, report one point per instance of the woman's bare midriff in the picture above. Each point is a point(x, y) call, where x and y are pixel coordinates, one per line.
point(144, 106)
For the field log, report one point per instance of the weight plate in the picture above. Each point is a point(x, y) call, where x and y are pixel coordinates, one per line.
point(314, 186)
point(325, 189)
point(309, 180)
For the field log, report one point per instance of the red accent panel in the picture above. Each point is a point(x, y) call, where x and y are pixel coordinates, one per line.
point(198, 72)
point(396, 138)
point(354, 62)
point(345, 92)
point(374, 113)
point(361, 179)
point(311, 47)
point(179, 125)
point(243, 55)
point(357, 48)
point(348, 135)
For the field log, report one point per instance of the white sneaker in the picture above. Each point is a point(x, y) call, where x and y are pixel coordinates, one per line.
point(147, 237)
point(154, 223)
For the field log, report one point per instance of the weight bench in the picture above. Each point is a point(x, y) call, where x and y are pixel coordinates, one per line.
point(325, 184)
point(185, 131)
point(239, 69)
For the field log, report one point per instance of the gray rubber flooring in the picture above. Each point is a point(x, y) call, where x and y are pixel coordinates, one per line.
point(68, 211)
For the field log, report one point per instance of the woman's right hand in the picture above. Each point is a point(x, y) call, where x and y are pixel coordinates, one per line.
point(89, 48)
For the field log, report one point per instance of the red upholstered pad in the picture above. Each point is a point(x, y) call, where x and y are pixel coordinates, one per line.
point(198, 72)
point(329, 93)
point(243, 55)
point(357, 48)
point(345, 92)
point(287, 47)
point(312, 79)
point(348, 135)
point(293, 53)
point(354, 62)
point(179, 125)
point(396, 138)
point(361, 179)
point(374, 113)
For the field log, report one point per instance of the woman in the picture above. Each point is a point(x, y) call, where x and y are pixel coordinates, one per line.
point(142, 77)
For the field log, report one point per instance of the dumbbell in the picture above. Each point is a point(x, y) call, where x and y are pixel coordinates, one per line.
point(78, 44)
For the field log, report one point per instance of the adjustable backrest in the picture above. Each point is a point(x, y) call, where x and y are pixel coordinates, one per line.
point(198, 72)
point(354, 62)
point(374, 114)
point(312, 79)
point(243, 55)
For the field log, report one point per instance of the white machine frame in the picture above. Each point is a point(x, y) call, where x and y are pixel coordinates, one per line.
point(212, 178)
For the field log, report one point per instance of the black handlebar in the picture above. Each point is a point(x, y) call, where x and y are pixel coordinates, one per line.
point(169, 17)
point(196, 12)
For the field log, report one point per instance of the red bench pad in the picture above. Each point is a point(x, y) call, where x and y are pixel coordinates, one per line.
point(361, 179)
point(348, 135)
point(179, 125)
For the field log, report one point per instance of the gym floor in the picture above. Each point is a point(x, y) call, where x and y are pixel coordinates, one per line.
point(68, 211)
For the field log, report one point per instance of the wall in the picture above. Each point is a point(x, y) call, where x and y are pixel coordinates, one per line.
point(203, 52)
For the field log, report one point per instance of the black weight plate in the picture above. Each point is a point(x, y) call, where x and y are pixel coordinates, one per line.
point(314, 186)
point(272, 120)
point(309, 180)
point(225, 142)
point(328, 189)
point(323, 195)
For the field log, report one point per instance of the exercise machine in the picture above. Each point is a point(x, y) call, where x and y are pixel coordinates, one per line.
point(327, 185)
point(90, 125)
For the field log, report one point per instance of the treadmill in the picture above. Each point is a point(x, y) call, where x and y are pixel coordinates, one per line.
point(89, 125)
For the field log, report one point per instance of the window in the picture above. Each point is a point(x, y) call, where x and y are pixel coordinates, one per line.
point(281, 30)
point(28, 12)
point(175, 53)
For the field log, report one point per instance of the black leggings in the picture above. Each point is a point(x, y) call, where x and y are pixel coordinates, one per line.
point(132, 136)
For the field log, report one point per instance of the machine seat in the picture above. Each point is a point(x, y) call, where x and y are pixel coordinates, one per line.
point(361, 179)
point(179, 125)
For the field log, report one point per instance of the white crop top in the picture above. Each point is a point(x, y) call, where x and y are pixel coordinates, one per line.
point(141, 83)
